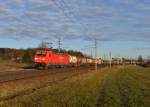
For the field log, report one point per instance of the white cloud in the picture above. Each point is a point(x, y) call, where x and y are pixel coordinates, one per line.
point(74, 19)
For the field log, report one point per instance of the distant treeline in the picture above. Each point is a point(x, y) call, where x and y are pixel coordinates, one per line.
point(17, 55)
point(26, 55)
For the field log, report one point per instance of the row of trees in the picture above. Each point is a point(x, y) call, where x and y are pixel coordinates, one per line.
point(17, 55)
point(27, 55)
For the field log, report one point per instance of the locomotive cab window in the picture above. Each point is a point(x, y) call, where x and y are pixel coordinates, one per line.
point(40, 53)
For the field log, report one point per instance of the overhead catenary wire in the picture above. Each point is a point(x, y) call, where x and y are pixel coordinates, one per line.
point(71, 14)
point(61, 7)
point(64, 6)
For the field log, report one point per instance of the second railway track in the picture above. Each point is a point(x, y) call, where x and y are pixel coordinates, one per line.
point(16, 76)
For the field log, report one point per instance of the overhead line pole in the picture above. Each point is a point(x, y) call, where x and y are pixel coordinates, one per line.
point(59, 44)
point(91, 53)
point(95, 55)
point(110, 60)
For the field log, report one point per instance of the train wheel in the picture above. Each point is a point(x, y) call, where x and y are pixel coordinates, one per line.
point(45, 66)
point(37, 66)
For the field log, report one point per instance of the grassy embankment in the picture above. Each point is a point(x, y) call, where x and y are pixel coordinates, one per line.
point(9, 65)
point(120, 87)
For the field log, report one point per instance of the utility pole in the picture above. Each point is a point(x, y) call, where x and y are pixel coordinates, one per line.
point(104, 59)
point(59, 44)
point(110, 60)
point(91, 53)
point(95, 55)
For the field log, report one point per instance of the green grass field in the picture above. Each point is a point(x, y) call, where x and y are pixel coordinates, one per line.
point(118, 87)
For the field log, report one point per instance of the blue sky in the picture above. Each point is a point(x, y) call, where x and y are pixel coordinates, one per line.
point(120, 26)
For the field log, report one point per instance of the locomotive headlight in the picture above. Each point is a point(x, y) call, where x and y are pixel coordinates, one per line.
point(35, 58)
point(43, 59)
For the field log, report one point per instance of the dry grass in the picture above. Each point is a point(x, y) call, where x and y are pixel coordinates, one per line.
point(69, 92)
point(120, 87)
point(8, 65)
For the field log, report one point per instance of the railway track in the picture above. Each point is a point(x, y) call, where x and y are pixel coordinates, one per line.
point(16, 76)
point(68, 73)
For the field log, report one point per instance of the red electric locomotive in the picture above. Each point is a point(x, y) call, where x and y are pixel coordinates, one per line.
point(45, 58)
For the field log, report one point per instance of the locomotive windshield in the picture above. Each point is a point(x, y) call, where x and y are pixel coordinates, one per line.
point(40, 53)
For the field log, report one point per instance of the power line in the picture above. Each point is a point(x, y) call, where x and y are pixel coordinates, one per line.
point(66, 6)
point(74, 16)
point(63, 5)
point(62, 8)
point(49, 44)
point(90, 50)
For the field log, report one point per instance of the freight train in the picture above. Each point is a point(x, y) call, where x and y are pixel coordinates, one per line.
point(45, 58)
